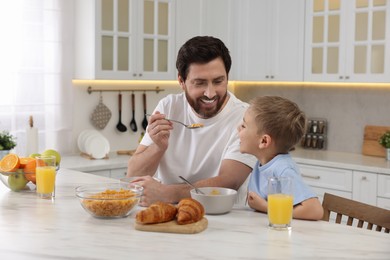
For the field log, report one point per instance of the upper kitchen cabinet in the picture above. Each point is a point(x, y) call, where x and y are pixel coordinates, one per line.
point(125, 39)
point(271, 39)
point(347, 41)
point(204, 17)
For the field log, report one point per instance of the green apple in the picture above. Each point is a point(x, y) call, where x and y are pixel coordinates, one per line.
point(17, 181)
point(50, 152)
point(33, 155)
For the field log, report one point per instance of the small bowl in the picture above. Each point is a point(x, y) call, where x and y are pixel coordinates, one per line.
point(216, 200)
point(113, 200)
point(16, 181)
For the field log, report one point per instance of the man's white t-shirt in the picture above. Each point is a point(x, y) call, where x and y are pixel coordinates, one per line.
point(197, 154)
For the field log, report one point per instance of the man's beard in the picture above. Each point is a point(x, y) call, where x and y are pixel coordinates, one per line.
point(199, 108)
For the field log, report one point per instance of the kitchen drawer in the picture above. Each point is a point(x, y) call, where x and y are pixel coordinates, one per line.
point(327, 177)
point(118, 173)
point(383, 203)
point(384, 186)
point(321, 191)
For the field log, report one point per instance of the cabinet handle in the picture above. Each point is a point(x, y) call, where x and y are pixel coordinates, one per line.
point(134, 74)
point(266, 76)
point(341, 77)
point(140, 74)
point(346, 77)
point(311, 177)
point(364, 178)
point(272, 77)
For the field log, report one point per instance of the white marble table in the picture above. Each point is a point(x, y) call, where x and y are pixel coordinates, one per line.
point(32, 228)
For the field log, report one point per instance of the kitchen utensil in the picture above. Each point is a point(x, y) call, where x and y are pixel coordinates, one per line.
point(215, 200)
point(101, 115)
point(189, 183)
point(173, 227)
point(190, 126)
point(145, 121)
point(121, 127)
point(371, 145)
point(133, 124)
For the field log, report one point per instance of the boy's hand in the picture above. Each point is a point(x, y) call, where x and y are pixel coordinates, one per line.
point(256, 202)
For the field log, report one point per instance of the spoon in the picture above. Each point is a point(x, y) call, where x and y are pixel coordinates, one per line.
point(189, 183)
point(133, 124)
point(190, 126)
point(121, 127)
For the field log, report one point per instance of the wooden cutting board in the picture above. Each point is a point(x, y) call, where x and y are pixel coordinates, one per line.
point(372, 133)
point(173, 227)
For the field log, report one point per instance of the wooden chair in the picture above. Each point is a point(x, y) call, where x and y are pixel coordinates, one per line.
point(363, 213)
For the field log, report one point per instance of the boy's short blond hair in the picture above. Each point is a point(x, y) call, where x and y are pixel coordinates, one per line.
point(279, 118)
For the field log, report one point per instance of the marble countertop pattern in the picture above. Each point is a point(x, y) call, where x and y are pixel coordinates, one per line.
point(33, 228)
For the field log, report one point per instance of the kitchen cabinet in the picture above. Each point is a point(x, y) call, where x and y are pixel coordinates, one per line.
point(215, 18)
point(124, 39)
point(347, 41)
point(384, 191)
point(365, 187)
point(327, 179)
point(271, 40)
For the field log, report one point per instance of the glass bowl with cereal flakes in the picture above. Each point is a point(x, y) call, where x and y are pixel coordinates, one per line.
point(112, 200)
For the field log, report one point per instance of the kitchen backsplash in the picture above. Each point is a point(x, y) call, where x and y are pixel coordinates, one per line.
point(346, 110)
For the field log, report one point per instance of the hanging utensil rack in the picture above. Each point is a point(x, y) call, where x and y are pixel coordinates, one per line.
point(157, 89)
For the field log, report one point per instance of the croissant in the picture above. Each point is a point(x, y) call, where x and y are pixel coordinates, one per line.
point(157, 212)
point(189, 211)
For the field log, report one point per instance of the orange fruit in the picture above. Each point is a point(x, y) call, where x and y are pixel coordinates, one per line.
point(9, 163)
point(30, 166)
point(31, 177)
point(25, 160)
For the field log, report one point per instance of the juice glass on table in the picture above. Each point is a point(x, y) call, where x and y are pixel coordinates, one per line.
point(280, 203)
point(46, 176)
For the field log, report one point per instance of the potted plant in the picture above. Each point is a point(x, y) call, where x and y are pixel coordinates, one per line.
point(7, 142)
point(384, 140)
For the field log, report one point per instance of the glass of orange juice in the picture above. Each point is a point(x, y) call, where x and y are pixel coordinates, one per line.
point(280, 203)
point(46, 176)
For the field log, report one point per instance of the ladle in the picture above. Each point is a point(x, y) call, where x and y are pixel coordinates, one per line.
point(133, 124)
point(121, 127)
point(145, 120)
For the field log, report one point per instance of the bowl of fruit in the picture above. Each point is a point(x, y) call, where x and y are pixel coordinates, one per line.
point(18, 173)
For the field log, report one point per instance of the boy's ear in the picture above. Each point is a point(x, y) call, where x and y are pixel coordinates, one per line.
point(265, 141)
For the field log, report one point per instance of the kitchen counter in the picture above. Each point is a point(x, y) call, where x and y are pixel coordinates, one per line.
point(342, 160)
point(80, 163)
point(33, 228)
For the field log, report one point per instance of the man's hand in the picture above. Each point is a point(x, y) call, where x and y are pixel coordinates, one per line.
point(159, 130)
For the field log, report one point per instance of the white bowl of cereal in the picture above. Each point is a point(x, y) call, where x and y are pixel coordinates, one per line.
point(112, 200)
point(215, 200)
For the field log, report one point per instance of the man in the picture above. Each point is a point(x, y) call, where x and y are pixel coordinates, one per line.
point(207, 156)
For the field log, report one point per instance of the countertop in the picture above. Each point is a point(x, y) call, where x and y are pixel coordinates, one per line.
point(80, 163)
point(342, 160)
point(34, 228)
point(326, 158)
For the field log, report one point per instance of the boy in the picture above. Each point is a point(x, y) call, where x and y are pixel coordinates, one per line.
point(271, 127)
